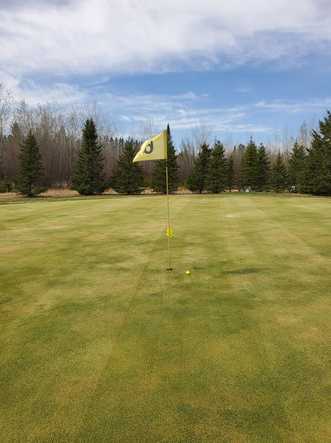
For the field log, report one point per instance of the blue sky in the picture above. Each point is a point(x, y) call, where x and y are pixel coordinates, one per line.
point(227, 69)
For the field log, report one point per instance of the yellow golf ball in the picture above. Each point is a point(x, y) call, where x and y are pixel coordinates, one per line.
point(188, 272)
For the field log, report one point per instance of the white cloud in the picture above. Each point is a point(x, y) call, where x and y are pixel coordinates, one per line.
point(59, 93)
point(183, 115)
point(183, 112)
point(291, 106)
point(84, 36)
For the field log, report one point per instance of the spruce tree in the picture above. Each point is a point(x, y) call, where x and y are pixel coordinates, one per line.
point(198, 179)
point(318, 172)
point(249, 170)
point(88, 176)
point(231, 173)
point(263, 169)
point(31, 168)
point(238, 160)
point(129, 177)
point(217, 171)
point(297, 168)
point(279, 178)
point(159, 171)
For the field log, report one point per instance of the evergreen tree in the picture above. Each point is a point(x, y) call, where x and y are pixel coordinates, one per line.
point(238, 160)
point(31, 169)
point(249, 170)
point(263, 169)
point(217, 171)
point(88, 176)
point(279, 179)
point(198, 179)
point(159, 171)
point(318, 173)
point(231, 173)
point(297, 167)
point(129, 177)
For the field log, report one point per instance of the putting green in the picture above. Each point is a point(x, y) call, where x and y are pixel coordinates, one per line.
point(99, 343)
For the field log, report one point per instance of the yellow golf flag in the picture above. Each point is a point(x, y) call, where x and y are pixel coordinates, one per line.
point(153, 149)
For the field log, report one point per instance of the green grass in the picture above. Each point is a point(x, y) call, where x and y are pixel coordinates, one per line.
point(99, 343)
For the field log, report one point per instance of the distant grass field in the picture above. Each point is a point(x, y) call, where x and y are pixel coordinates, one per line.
point(99, 343)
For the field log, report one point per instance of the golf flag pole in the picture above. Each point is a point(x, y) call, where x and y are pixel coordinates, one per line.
point(156, 148)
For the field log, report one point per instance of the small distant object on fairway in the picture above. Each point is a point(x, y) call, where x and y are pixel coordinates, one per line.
point(188, 272)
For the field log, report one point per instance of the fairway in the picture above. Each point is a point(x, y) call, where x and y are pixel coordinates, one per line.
point(99, 343)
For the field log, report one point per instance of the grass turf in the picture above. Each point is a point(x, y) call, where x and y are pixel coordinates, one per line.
point(99, 343)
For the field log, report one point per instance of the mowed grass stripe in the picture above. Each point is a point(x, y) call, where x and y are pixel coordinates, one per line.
point(135, 344)
point(99, 343)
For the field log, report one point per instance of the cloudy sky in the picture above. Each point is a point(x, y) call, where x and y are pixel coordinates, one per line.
point(239, 68)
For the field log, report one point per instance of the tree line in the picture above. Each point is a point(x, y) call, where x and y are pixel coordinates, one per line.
point(91, 163)
point(304, 169)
